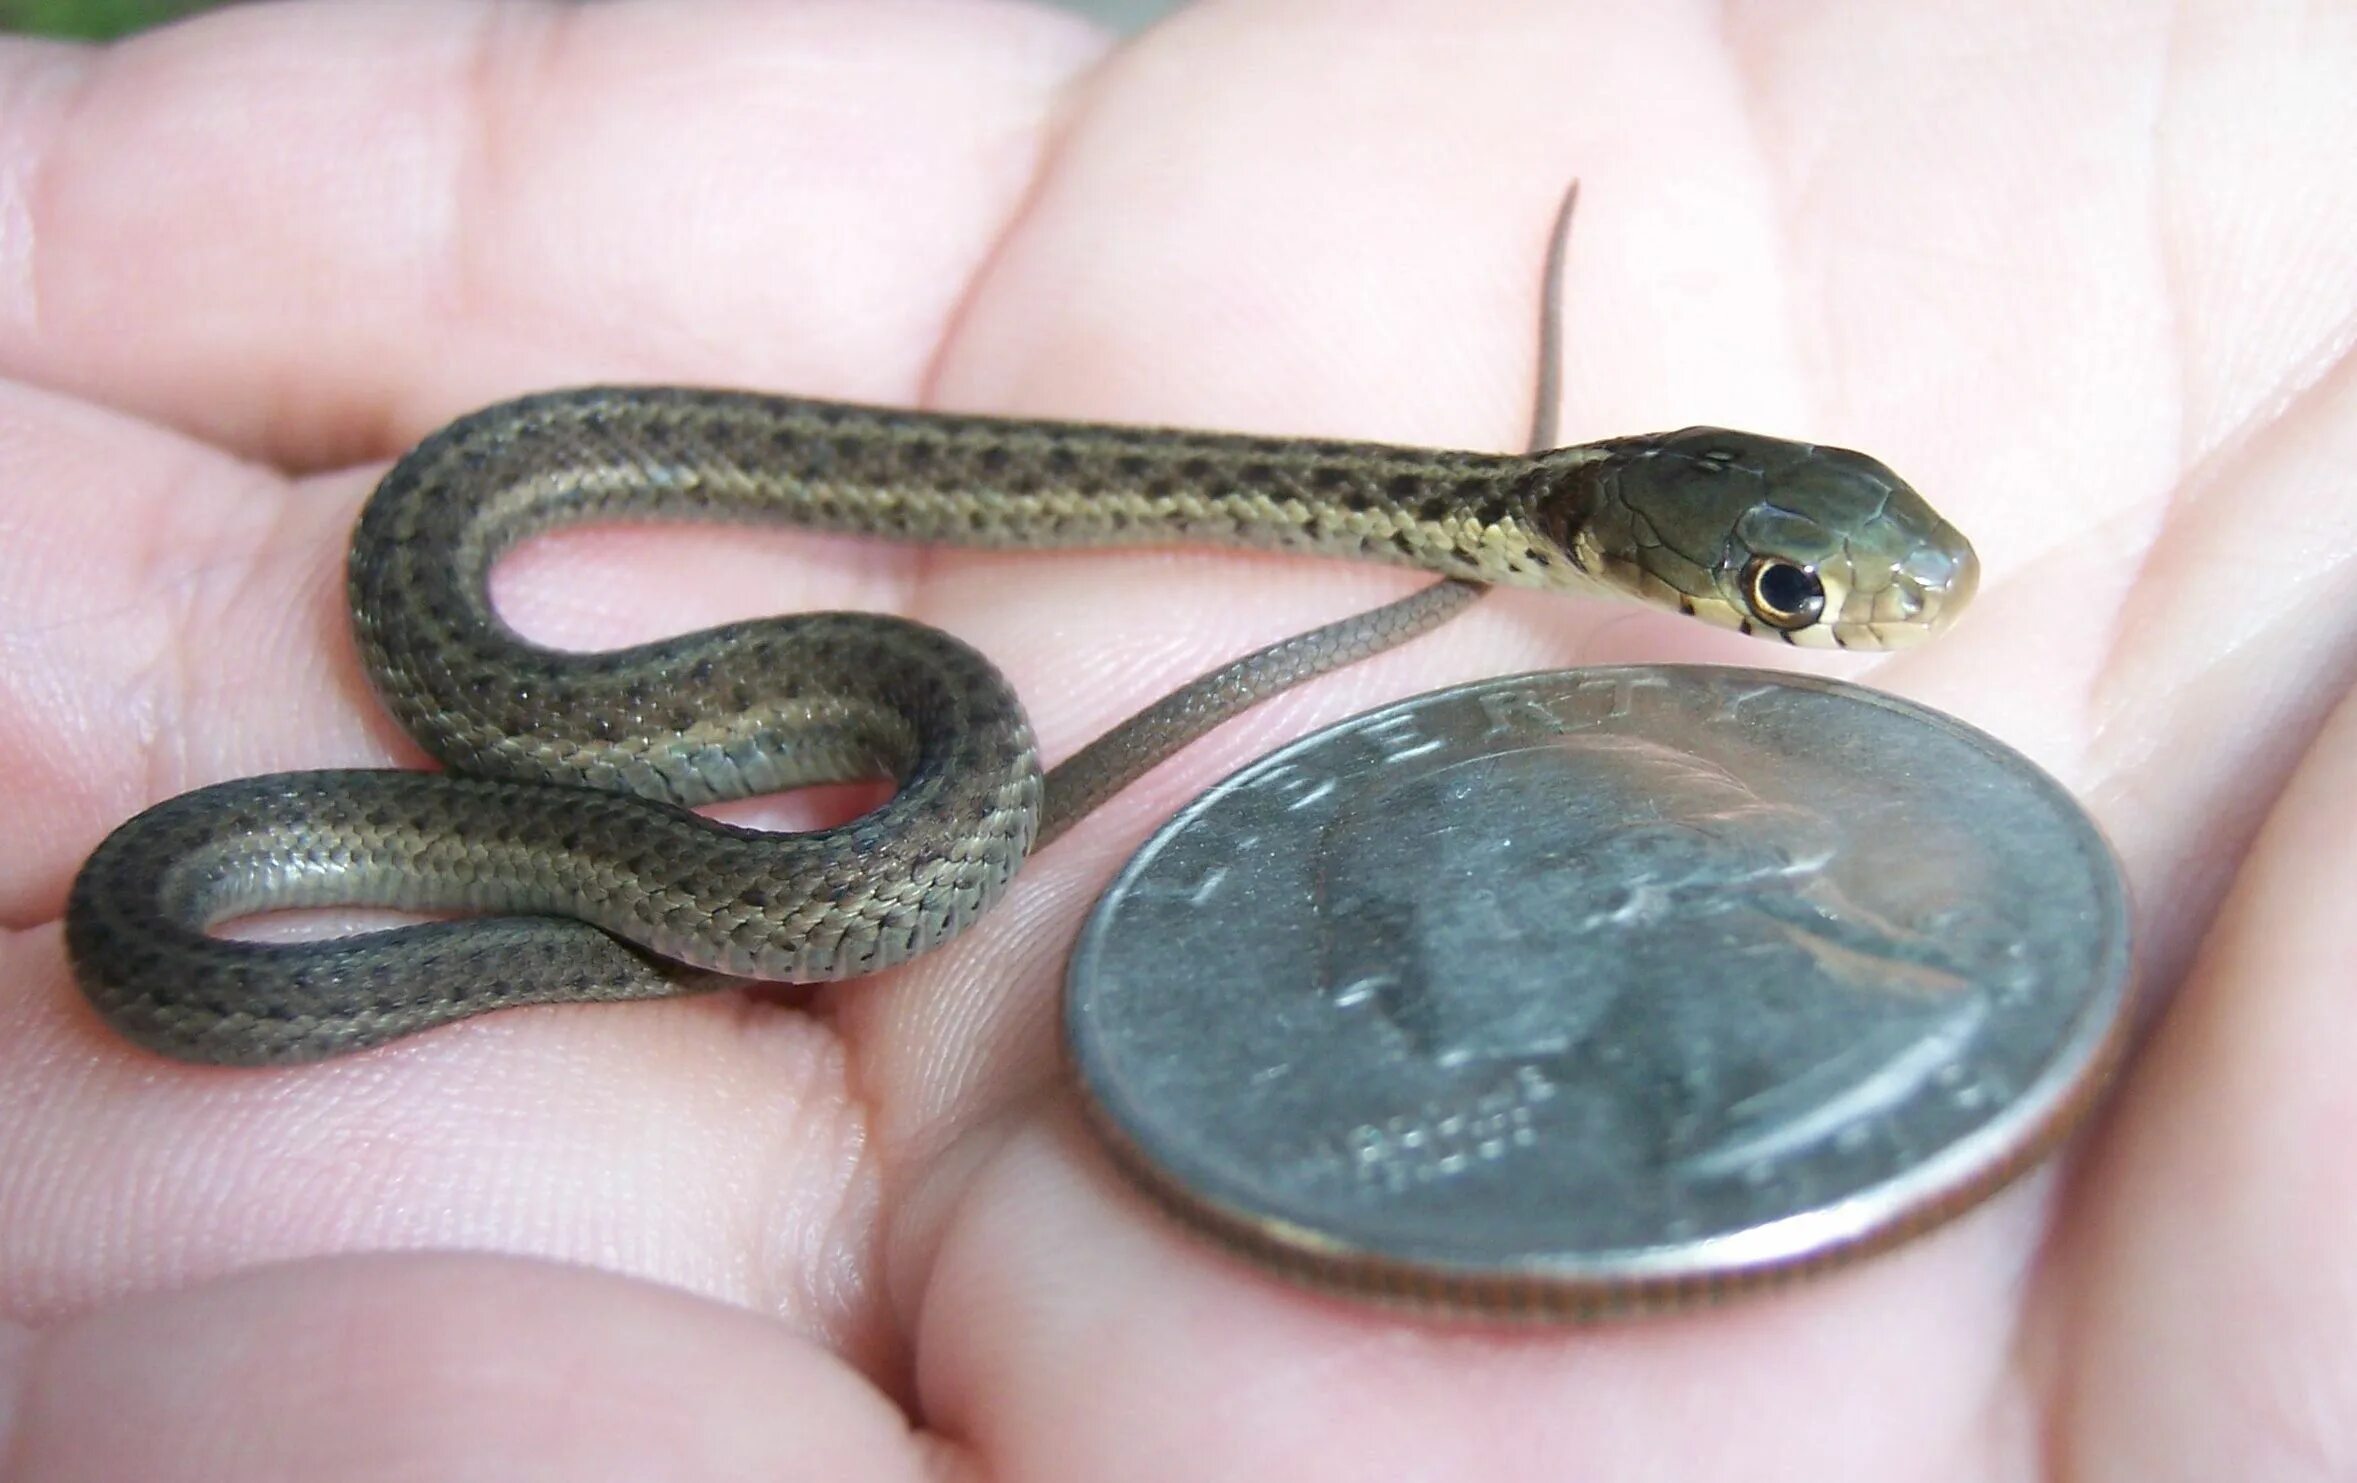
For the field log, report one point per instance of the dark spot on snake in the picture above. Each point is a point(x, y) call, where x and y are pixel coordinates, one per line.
point(756, 897)
point(1404, 487)
point(1744, 626)
point(993, 459)
point(1196, 470)
point(702, 670)
point(1259, 474)
point(1161, 489)
point(1131, 466)
point(1060, 458)
point(1686, 606)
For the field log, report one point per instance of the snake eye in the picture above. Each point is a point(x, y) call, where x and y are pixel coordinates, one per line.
point(1783, 594)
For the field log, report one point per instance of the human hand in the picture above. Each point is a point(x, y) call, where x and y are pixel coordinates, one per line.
point(2088, 286)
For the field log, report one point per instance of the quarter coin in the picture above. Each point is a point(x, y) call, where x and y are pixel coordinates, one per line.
point(1597, 991)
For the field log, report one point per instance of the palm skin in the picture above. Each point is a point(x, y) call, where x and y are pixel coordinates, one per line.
point(2088, 279)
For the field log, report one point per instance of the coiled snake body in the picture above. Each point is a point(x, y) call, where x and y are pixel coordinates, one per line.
point(566, 814)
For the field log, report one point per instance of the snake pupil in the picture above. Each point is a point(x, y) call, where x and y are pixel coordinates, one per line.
point(1783, 593)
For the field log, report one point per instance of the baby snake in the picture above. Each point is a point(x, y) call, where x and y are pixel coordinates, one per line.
point(566, 812)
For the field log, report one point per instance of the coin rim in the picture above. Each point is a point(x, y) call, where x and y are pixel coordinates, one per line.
point(1589, 1286)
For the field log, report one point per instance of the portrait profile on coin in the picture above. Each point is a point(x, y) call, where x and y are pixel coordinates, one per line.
point(1675, 947)
point(1600, 990)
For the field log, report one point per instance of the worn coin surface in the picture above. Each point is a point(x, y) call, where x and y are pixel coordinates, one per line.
point(1595, 991)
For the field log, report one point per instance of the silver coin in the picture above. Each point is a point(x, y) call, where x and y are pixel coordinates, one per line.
point(1587, 992)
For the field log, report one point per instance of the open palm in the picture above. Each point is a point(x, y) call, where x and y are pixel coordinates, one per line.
point(2087, 276)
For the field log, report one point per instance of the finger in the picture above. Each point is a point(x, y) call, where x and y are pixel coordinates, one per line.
point(2226, 659)
point(1055, 1282)
point(354, 220)
point(174, 617)
point(1347, 236)
point(166, 609)
point(2182, 609)
point(441, 1367)
point(2207, 1324)
point(713, 1145)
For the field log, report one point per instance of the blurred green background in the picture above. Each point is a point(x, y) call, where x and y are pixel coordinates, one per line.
point(91, 18)
point(96, 19)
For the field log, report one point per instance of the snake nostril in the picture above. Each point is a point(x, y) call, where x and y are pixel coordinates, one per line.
point(1900, 602)
point(1964, 583)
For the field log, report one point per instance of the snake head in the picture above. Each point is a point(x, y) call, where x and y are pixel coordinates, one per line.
point(1816, 546)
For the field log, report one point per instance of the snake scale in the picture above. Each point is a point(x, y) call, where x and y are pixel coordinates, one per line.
point(565, 823)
